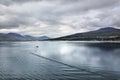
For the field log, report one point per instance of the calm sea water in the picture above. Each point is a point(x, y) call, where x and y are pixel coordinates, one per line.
point(59, 61)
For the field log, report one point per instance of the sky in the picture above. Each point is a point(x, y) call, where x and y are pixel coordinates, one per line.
point(56, 18)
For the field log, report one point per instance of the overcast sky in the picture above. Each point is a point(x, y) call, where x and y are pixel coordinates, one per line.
point(55, 18)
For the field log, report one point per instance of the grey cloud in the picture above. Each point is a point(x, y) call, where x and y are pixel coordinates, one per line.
point(54, 13)
point(107, 18)
point(10, 2)
point(15, 21)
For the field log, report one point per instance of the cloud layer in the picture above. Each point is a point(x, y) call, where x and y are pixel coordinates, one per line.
point(57, 17)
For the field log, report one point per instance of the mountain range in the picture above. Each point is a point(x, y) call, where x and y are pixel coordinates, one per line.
point(107, 33)
point(19, 37)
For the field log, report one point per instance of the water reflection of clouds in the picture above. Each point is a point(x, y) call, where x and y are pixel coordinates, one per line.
point(65, 50)
point(92, 55)
point(69, 54)
point(78, 54)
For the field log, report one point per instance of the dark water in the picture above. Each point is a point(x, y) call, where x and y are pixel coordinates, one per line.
point(59, 61)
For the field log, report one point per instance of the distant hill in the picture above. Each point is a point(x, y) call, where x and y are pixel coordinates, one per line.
point(107, 33)
point(19, 37)
point(43, 37)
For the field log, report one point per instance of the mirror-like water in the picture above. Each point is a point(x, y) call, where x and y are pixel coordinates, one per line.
point(17, 62)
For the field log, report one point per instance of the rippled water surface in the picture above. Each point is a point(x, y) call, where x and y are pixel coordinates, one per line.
point(59, 61)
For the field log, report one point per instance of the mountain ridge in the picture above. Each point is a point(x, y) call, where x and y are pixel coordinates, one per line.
point(106, 33)
point(19, 37)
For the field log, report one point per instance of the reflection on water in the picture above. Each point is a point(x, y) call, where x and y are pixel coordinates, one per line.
point(16, 61)
point(98, 55)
